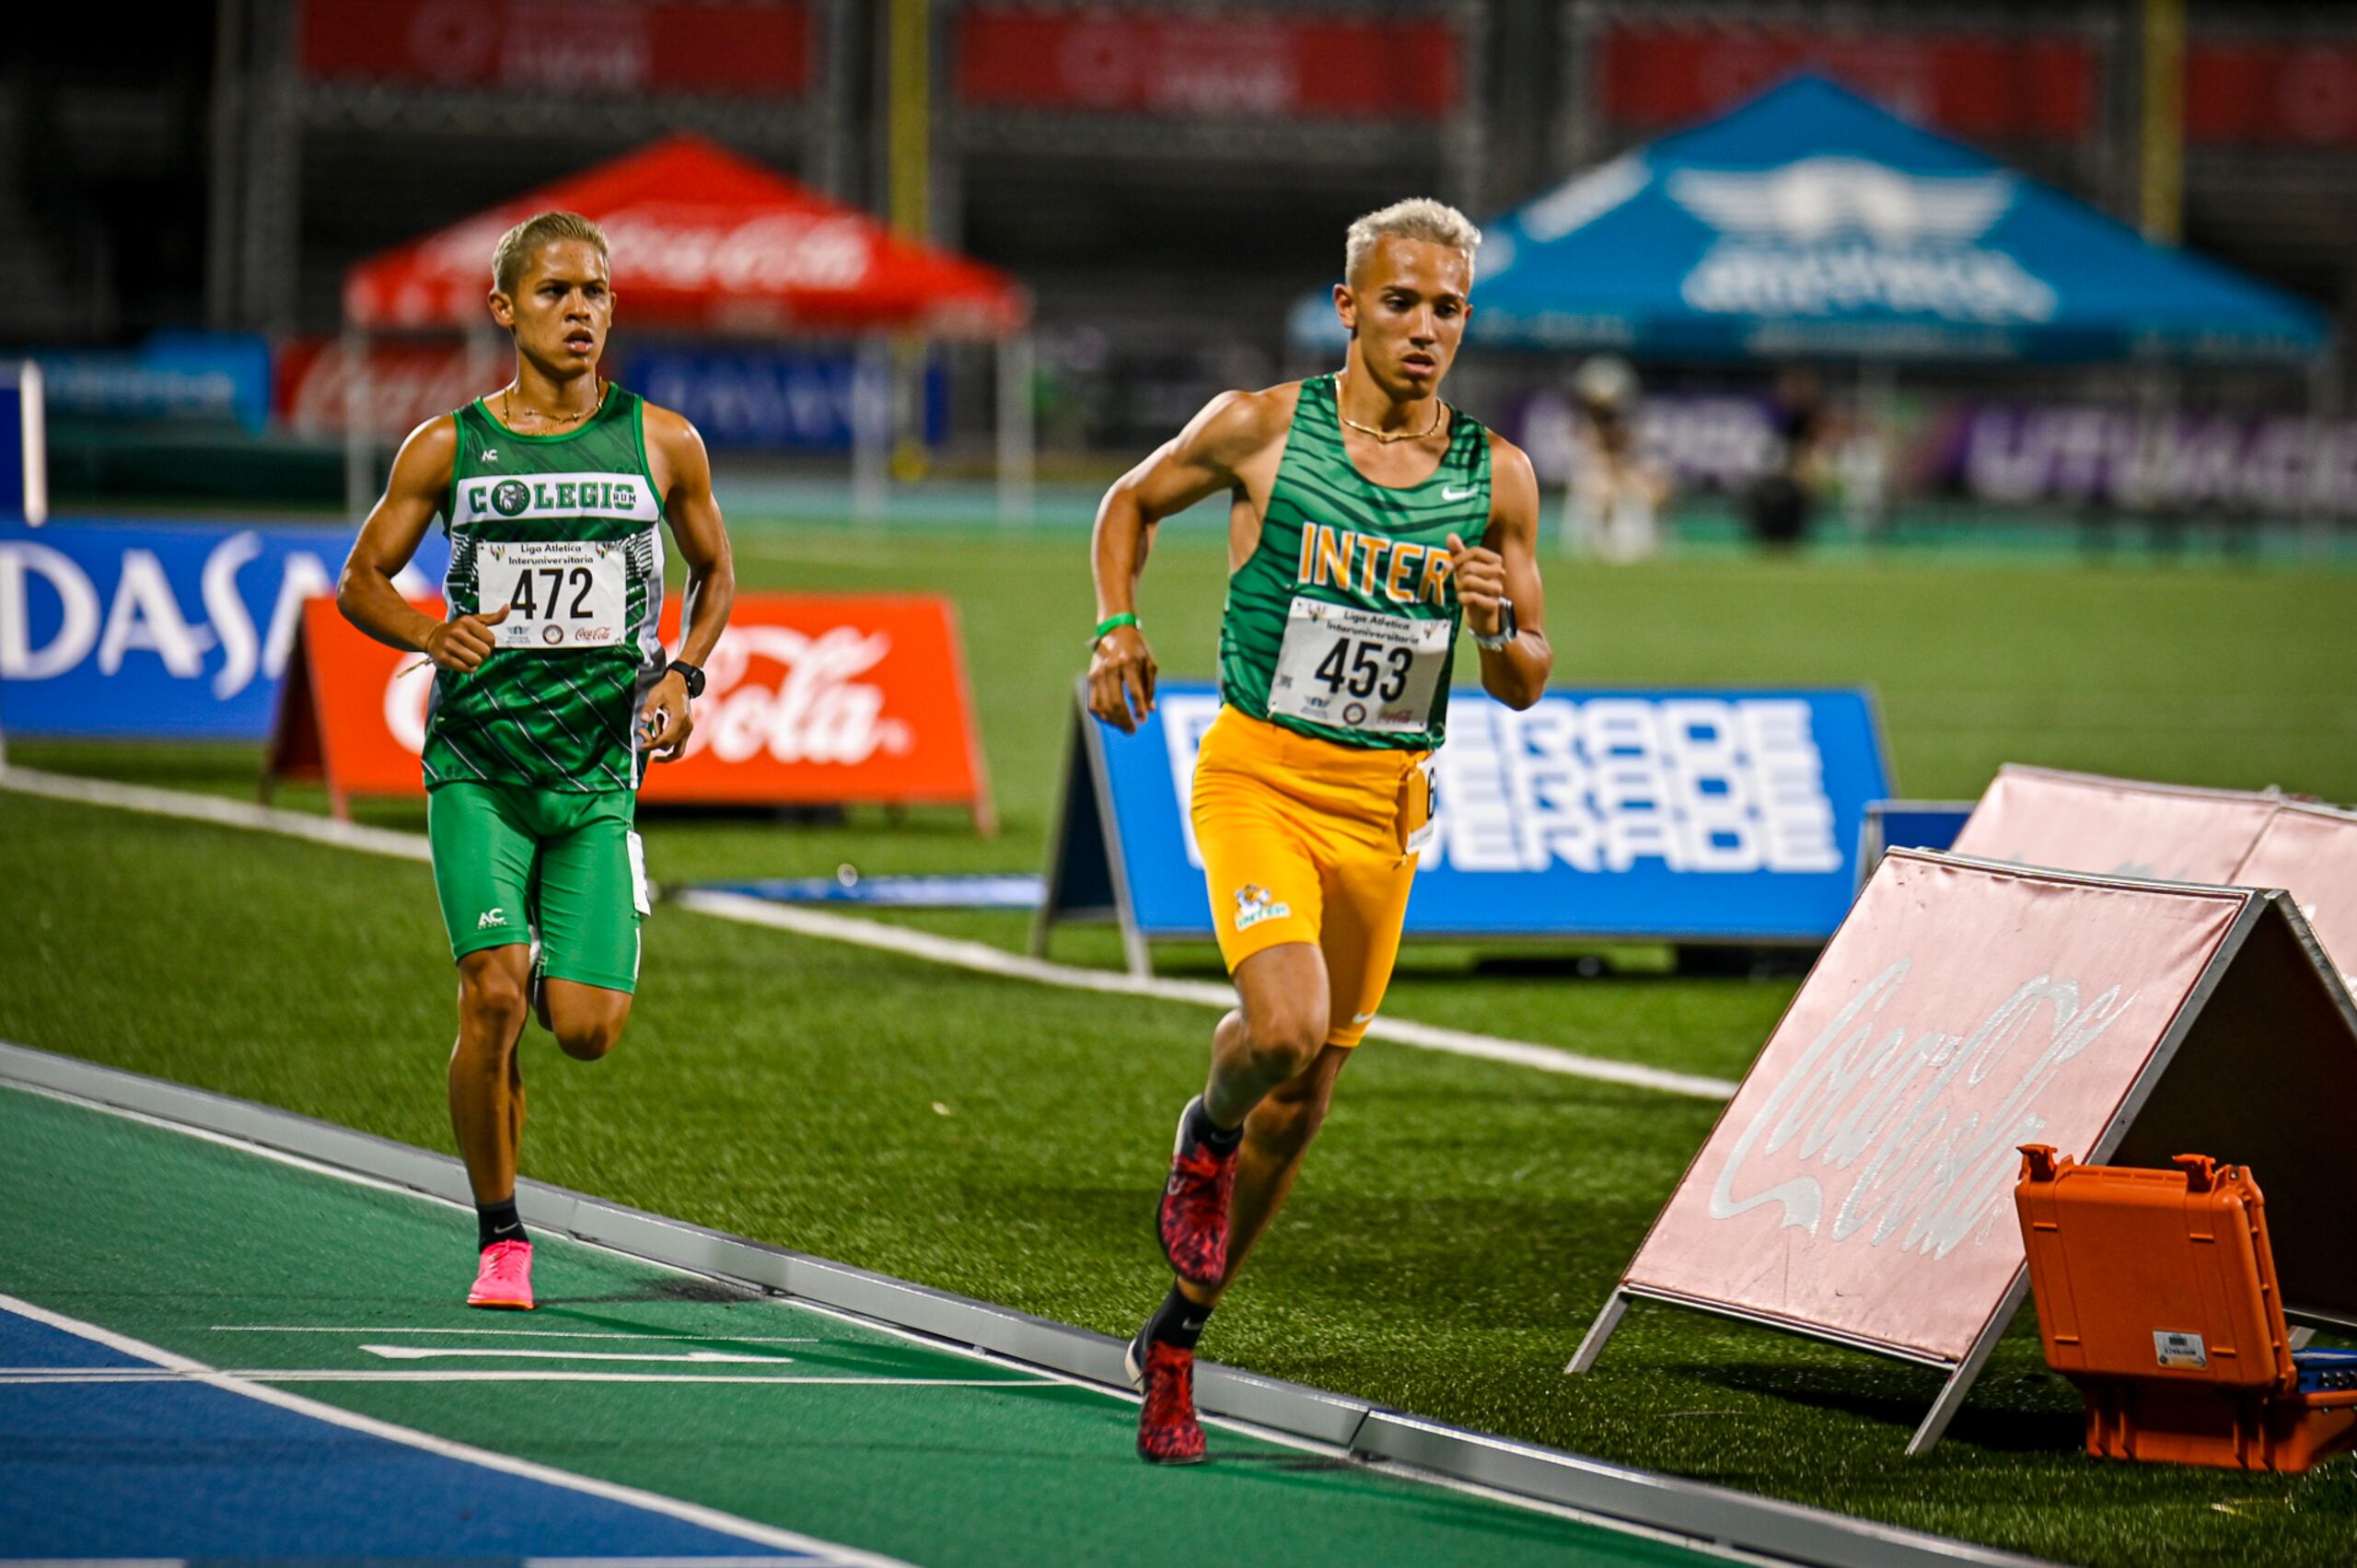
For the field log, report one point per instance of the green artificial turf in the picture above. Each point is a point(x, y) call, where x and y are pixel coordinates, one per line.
point(1460, 1223)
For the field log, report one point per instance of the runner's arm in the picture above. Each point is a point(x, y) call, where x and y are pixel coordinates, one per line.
point(418, 489)
point(711, 592)
point(1505, 565)
point(1197, 464)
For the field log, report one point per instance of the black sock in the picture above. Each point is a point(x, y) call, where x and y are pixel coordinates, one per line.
point(1178, 1321)
point(498, 1222)
point(1211, 1134)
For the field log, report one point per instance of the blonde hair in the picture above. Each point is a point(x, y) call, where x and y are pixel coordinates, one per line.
point(515, 246)
point(1418, 217)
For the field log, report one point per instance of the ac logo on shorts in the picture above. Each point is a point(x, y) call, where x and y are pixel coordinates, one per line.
point(1254, 904)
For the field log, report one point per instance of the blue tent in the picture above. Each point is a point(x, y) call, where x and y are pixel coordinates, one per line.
point(1809, 223)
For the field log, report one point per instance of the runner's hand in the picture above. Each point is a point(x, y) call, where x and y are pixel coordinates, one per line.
point(1120, 679)
point(663, 723)
point(462, 644)
point(1480, 574)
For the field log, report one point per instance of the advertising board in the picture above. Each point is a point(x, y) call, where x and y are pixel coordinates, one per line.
point(1693, 816)
point(135, 629)
point(809, 699)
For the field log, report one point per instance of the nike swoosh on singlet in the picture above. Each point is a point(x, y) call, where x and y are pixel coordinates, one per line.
point(1450, 493)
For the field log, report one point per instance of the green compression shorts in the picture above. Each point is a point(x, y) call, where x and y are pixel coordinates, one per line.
point(511, 863)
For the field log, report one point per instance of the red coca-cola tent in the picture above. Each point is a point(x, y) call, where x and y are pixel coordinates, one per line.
point(706, 242)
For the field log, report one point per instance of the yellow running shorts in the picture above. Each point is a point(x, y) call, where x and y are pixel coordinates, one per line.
point(1305, 840)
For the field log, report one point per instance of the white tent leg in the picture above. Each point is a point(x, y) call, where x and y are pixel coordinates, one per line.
point(871, 429)
point(1016, 439)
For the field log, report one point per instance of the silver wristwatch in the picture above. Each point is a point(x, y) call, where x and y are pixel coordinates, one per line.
point(1506, 628)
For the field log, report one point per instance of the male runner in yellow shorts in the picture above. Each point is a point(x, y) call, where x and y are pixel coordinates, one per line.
point(1351, 499)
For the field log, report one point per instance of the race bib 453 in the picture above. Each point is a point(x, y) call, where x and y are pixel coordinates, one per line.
point(1353, 668)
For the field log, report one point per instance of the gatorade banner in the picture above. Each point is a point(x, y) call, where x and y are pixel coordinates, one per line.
point(176, 631)
point(809, 700)
point(1697, 816)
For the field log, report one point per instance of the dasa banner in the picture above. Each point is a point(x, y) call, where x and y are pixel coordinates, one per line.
point(161, 629)
point(1682, 816)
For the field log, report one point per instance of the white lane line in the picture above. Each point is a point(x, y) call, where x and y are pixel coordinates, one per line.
point(984, 958)
point(219, 810)
point(526, 1333)
point(23, 1376)
point(653, 1502)
point(422, 1352)
point(977, 956)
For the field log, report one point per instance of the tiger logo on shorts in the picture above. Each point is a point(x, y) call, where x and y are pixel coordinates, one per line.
point(1254, 904)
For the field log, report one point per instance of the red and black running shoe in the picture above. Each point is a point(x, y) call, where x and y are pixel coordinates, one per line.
point(1168, 1433)
point(1193, 1222)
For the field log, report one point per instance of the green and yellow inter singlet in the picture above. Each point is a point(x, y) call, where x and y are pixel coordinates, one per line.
point(1343, 622)
point(566, 531)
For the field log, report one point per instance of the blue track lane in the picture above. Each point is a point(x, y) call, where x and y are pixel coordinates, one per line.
point(181, 1469)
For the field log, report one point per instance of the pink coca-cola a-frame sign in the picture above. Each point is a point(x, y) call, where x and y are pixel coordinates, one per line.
point(1858, 1187)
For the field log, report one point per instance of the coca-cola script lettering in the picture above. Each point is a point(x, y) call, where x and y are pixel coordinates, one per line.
point(1857, 1184)
point(1905, 1101)
point(814, 710)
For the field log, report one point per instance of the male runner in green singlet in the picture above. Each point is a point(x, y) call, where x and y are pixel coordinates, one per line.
point(550, 688)
point(1351, 500)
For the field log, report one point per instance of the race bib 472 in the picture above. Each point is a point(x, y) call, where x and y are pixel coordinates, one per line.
point(560, 593)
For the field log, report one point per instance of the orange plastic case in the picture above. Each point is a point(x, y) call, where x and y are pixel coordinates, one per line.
point(2157, 1296)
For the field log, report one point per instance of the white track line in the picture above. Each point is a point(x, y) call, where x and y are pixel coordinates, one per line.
point(979, 957)
point(23, 1376)
point(437, 1352)
point(232, 1383)
point(528, 1334)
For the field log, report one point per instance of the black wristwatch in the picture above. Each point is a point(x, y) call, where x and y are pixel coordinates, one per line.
point(691, 674)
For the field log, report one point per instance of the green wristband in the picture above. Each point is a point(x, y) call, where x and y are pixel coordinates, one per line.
point(1110, 623)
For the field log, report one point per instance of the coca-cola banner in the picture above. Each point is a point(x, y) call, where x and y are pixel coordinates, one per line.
point(2271, 94)
point(2038, 86)
point(1860, 1182)
point(2172, 834)
point(754, 399)
point(558, 46)
point(2312, 850)
point(1112, 61)
point(2115, 827)
point(809, 700)
point(404, 384)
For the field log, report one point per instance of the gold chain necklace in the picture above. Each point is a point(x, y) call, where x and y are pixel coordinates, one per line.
point(1440, 417)
point(508, 418)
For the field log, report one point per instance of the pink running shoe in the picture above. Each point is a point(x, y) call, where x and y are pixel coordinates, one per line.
point(504, 1279)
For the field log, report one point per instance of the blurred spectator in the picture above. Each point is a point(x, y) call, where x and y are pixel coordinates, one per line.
point(1784, 498)
point(1613, 508)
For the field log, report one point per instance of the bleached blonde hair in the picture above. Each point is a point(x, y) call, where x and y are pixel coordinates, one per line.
point(515, 246)
point(1418, 217)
